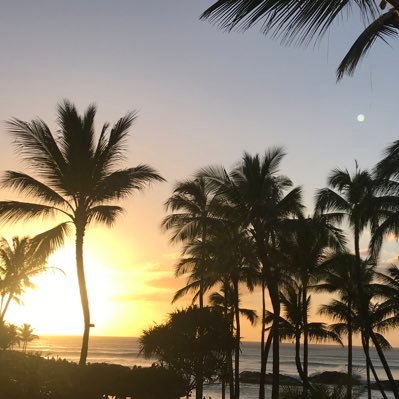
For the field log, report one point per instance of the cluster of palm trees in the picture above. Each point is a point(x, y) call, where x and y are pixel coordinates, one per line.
point(11, 335)
point(246, 228)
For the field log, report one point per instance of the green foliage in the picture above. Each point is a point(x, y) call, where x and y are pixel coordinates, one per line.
point(33, 377)
point(8, 336)
point(187, 335)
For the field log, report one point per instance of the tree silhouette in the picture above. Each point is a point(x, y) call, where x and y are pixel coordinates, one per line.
point(78, 179)
point(25, 333)
point(23, 259)
point(265, 202)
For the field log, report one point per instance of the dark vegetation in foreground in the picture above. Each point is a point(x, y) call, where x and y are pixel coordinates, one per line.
point(24, 376)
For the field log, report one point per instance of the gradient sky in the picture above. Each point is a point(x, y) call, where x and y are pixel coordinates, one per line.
point(203, 97)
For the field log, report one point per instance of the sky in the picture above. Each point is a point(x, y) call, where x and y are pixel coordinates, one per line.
point(203, 97)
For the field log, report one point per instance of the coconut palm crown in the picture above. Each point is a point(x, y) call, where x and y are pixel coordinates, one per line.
point(77, 178)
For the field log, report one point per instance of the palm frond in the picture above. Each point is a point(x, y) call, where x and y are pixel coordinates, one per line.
point(121, 183)
point(44, 244)
point(385, 26)
point(27, 185)
point(289, 19)
point(13, 211)
point(105, 214)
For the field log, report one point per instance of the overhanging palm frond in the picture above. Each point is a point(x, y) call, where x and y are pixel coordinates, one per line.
point(385, 26)
point(291, 19)
point(12, 211)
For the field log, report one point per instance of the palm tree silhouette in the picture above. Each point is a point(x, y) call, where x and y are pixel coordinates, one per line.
point(338, 272)
point(261, 198)
point(292, 326)
point(306, 248)
point(25, 333)
point(78, 179)
point(193, 210)
point(23, 259)
point(352, 197)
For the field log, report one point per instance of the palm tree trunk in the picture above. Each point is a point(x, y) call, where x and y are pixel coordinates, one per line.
point(275, 299)
point(298, 357)
point(367, 345)
point(376, 378)
point(305, 337)
point(7, 304)
point(237, 340)
point(262, 346)
point(199, 389)
point(384, 363)
point(350, 350)
point(267, 347)
point(80, 231)
point(223, 388)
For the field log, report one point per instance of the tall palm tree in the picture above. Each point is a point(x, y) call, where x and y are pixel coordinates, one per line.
point(23, 259)
point(292, 327)
point(338, 272)
point(78, 176)
point(26, 335)
point(194, 210)
point(230, 262)
point(352, 197)
point(265, 202)
point(306, 248)
point(302, 21)
point(223, 300)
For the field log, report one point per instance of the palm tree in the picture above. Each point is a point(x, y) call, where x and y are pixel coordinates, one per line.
point(338, 272)
point(302, 21)
point(230, 261)
point(25, 333)
point(260, 197)
point(306, 248)
point(78, 179)
point(352, 197)
point(23, 259)
point(223, 300)
point(194, 210)
point(292, 327)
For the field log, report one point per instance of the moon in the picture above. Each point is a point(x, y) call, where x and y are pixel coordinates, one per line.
point(360, 118)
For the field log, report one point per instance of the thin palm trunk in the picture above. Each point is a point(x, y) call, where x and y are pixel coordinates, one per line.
point(80, 230)
point(350, 350)
point(371, 367)
point(274, 296)
point(384, 363)
point(298, 358)
point(305, 337)
point(200, 372)
point(262, 345)
point(267, 347)
point(6, 306)
point(365, 327)
point(237, 340)
point(367, 345)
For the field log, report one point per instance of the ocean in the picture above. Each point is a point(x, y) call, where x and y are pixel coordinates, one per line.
point(125, 351)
